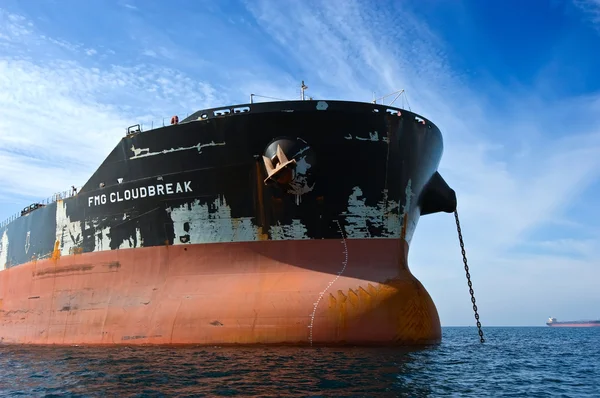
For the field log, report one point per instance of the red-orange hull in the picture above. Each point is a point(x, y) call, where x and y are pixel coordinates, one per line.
point(254, 292)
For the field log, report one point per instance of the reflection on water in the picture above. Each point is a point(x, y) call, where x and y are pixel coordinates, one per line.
point(531, 361)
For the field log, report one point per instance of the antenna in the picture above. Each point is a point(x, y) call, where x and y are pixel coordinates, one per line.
point(303, 87)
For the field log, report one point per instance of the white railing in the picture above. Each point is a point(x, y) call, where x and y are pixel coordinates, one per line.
point(56, 197)
point(162, 122)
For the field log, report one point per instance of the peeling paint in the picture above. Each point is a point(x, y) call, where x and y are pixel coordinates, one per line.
point(146, 151)
point(101, 234)
point(408, 214)
point(68, 232)
point(208, 223)
point(27, 242)
point(133, 241)
point(360, 217)
point(3, 250)
point(295, 231)
point(409, 194)
point(92, 221)
point(299, 185)
point(373, 136)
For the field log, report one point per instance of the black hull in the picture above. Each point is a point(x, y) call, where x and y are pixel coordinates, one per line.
point(363, 166)
point(289, 223)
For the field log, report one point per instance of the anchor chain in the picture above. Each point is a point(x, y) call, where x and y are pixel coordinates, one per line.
point(464, 255)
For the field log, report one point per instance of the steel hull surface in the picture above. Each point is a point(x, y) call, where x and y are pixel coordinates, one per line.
point(191, 234)
point(236, 293)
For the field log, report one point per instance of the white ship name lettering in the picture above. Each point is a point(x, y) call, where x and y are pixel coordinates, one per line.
point(169, 188)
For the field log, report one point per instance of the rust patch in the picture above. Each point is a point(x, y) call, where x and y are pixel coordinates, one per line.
point(332, 301)
point(133, 337)
point(342, 325)
point(353, 298)
point(404, 222)
point(16, 312)
point(384, 313)
point(56, 251)
point(76, 250)
point(262, 235)
point(372, 290)
point(112, 265)
point(72, 268)
point(362, 292)
point(140, 337)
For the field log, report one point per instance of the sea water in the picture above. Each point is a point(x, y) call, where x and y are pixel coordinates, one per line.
point(514, 361)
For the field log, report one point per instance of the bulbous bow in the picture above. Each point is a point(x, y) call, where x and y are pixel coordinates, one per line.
point(437, 196)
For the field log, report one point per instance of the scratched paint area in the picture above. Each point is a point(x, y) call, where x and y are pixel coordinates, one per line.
point(410, 214)
point(204, 189)
point(100, 233)
point(198, 222)
point(133, 241)
point(68, 232)
point(384, 218)
point(294, 231)
point(3, 249)
point(300, 184)
point(372, 136)
point(145, 152)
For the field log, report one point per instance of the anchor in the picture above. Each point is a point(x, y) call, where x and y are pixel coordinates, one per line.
point(281, 172)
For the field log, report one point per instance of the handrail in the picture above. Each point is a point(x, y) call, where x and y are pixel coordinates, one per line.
point(49, 200)
point(166, 121)
point(156, 123)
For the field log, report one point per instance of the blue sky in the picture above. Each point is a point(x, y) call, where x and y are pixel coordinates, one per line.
point(513, 86)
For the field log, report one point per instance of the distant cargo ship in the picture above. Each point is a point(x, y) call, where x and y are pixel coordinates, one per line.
point(552, 322)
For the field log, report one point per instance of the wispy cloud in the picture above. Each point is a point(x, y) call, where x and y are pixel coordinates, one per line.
point(130, 6)
point(61, 118)
point(514, 168)
point(591, 7)
point(517, 159)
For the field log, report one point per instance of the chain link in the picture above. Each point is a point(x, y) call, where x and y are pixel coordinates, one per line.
point(462, 248)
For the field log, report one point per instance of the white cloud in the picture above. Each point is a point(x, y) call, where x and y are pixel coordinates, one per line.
point(591, 7)
point(60, 118)
point(516, 165)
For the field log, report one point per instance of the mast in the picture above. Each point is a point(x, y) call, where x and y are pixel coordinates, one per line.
point(399, 93)
point(302, 88)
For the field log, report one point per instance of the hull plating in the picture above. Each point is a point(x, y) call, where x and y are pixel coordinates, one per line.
point(176, 238)
point(259, 292)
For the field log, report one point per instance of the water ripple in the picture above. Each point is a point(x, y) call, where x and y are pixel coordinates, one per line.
point(513, 362)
